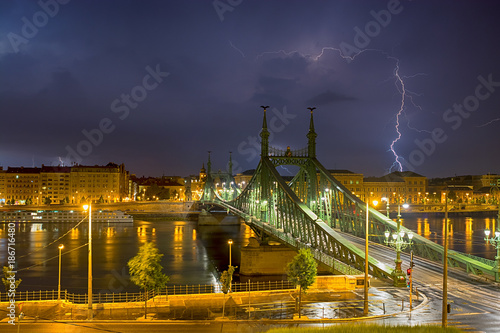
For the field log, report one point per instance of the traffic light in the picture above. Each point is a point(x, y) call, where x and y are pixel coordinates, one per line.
point(408, 271)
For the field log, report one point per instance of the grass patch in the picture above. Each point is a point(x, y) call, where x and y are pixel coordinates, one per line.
point(362, 328)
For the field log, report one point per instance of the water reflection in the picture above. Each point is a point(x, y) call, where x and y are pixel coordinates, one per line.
point(466, 233)
point(192, 254)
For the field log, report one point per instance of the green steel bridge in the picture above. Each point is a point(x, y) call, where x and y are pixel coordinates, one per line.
point(304, 212)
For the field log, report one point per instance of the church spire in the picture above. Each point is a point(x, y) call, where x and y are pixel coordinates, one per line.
point(311, 136)
point(264, 135)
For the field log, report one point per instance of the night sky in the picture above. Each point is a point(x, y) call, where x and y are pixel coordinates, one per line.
point(156, 84)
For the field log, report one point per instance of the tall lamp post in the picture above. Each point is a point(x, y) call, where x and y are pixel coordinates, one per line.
point(89, 312)
point(230, 242)
point(397, 241)
point(495, 241)
point(387, 206)
point(444, 309)
point(365, 306)
point(61, 246)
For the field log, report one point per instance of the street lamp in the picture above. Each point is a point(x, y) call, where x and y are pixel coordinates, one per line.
point(61, 246)
point(387, 207)
point(365, 287)
point(230, 242)
point(397, 241)
point(495, 241)
point(89, 311)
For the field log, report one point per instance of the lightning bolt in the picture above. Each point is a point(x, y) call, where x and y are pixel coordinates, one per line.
point(489, 122)
point(399, 82)
point(237, 49)
point(413, 128)
point(316, 58)
point(286, 169)
point(398, 114)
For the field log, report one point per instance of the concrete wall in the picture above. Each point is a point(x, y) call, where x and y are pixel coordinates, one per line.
point(336, 282)
point(257, 259)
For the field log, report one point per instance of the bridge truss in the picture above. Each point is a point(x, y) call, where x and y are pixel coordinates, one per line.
point(304, 213)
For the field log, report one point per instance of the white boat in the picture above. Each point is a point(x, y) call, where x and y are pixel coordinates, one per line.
point(64, 216)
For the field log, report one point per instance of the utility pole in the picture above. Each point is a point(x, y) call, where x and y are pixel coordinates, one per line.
point(445, 266)
point(365, 308)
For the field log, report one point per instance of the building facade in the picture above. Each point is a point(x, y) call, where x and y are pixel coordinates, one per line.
point(60, 185)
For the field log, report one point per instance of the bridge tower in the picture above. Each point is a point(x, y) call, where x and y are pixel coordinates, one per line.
point(305, 184)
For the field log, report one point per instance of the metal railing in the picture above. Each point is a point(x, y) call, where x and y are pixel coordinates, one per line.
point(51, 295)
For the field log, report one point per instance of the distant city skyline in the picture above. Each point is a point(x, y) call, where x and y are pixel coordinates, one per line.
point(157, 84)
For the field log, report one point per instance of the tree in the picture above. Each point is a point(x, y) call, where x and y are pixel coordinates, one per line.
point(47, 201)
point(302, 271)
point(226, 279)
point(101, 200)
point(6, 274)
point(29, 201)
point(146, 271)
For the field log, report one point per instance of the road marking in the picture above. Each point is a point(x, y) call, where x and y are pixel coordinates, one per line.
point(468, 313)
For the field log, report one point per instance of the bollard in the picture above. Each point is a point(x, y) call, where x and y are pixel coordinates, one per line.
point(384, 307)
point(402, 304)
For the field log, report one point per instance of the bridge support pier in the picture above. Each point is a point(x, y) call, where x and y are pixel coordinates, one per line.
point(269, 258)
point(216, 219)
point(264, 259)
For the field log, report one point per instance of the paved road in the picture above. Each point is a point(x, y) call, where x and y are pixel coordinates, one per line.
point(475, 303)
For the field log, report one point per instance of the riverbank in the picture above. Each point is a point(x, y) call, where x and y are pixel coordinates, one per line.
point(332, 305)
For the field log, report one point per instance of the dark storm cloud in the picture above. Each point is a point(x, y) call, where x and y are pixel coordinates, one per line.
point(327, 97)
point(64, 80)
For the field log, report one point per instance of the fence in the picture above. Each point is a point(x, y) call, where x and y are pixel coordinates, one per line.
point(51, 295)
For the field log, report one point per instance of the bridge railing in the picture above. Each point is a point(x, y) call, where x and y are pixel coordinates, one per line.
point(354, 223)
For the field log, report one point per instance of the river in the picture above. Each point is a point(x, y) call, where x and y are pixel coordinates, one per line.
point(192, 254)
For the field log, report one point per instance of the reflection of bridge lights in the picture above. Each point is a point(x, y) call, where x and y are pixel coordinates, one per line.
point(178, 233)
point(495, 241)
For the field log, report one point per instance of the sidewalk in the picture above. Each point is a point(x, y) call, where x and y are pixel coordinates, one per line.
point(272, 305)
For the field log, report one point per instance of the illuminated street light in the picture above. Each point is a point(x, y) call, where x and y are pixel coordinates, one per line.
point(397, 241)
point(230, 242)
point(61, 246)
point(89, 312)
